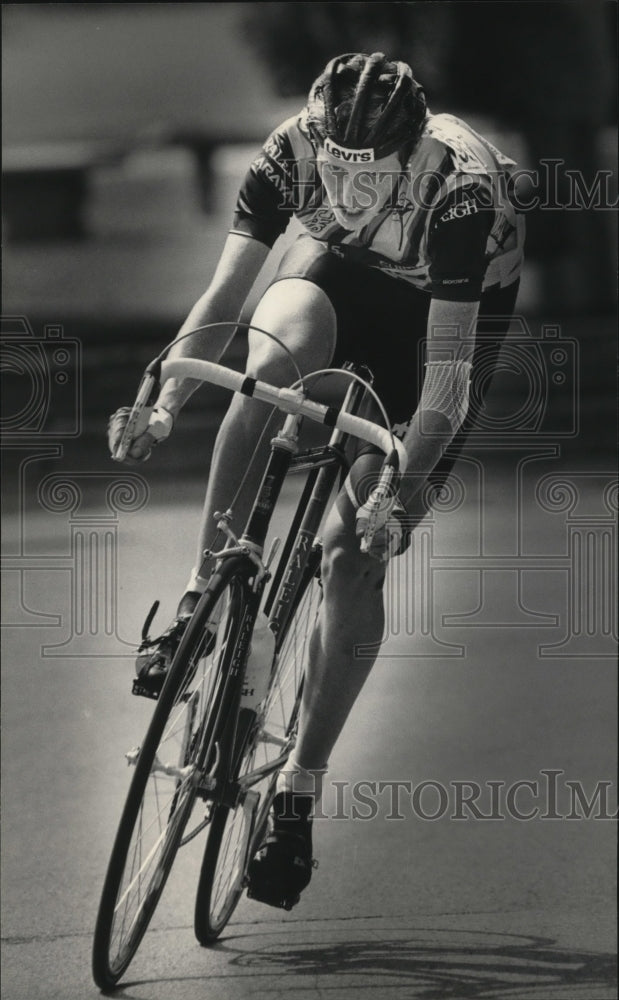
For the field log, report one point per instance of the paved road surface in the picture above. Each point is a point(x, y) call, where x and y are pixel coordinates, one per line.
point(399, 908)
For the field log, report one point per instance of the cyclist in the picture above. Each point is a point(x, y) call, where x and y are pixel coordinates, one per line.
point(408, 237)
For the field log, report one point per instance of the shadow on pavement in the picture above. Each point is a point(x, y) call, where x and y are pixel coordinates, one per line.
point(423, 963)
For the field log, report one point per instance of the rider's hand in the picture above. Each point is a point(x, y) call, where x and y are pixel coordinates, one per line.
point(158, 429)
point(139, 449)
point(391, 535)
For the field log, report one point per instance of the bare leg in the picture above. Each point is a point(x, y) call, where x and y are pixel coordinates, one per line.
point(300, 314)
point(351, 614)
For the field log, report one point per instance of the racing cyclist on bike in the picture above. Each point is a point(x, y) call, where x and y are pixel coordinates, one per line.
point(408, 238)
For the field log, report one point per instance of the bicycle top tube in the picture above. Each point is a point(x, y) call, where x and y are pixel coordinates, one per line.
point(287, 400)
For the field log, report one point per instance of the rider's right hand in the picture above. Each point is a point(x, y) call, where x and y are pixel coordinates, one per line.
point(391, 535)
point(140, 448)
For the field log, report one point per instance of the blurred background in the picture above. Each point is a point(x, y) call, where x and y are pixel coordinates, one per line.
point(128, 128)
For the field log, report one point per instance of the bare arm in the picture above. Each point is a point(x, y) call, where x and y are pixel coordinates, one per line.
point(451, 337)
point(239, 265)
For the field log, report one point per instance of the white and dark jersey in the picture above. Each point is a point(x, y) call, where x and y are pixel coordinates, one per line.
point(447, 228)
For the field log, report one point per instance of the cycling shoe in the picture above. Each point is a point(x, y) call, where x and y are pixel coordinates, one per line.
point(155, 655)
point(154, 659)
point(282, 866)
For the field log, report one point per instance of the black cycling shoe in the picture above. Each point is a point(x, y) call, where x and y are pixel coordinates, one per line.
point(155, 655)
point(154, 659)
point(282, 866)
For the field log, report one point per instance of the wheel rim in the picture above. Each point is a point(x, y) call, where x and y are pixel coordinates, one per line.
point(168, 796)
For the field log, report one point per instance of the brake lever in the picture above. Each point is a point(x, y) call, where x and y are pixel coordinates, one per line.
point(383, 495)
point(141, 410)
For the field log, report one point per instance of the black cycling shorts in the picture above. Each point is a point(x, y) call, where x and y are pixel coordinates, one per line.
point(382, 323)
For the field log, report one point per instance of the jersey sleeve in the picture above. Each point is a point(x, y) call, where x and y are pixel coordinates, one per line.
point(457, 240)
point(265, 201)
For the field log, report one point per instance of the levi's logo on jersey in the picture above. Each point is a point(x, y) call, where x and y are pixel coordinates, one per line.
point(349, 155)
point(464, 208)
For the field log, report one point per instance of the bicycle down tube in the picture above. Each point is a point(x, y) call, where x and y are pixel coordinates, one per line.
point(312, 505)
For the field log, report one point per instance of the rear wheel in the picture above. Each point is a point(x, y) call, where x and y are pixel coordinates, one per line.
point(237, 827)
point(171, 769)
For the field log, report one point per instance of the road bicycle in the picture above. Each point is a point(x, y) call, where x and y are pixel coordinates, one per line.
point(225, 721)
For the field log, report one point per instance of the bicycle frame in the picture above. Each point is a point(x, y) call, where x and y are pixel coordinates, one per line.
point(210, 740)
point(324, 464)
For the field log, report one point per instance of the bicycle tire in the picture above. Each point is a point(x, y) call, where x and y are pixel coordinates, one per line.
point(235, 831)
point(184, 726)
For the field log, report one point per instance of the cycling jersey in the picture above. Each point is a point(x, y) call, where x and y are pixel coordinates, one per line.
point(447, 226)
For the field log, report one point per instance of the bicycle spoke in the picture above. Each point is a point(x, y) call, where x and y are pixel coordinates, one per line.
point(168, 772)
point(233, 832)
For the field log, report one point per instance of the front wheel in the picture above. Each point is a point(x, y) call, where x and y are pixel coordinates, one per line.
point(172, 770)
point(237, 828)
